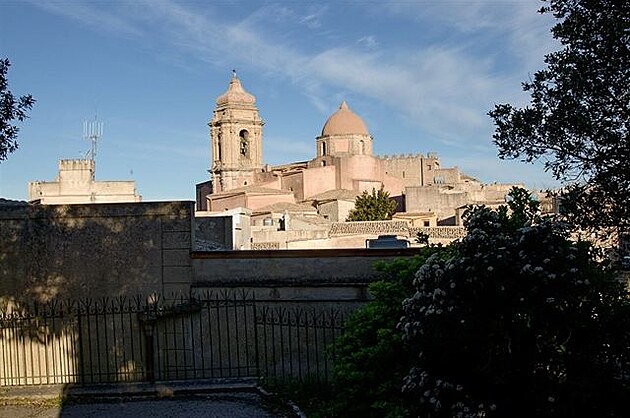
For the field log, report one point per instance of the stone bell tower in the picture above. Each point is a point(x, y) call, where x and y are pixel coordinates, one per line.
point(236, 137)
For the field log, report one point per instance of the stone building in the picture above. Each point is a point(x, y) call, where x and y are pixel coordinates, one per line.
point(343, 166)
point(76, 183)
point(236, 130)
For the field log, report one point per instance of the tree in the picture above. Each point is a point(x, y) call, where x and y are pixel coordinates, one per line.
point(521, 321)
point(579, 115)
point(376, 206)
point(370, 357)
point(11, 109)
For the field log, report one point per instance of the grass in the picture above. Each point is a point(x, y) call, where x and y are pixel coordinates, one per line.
point(55, 402)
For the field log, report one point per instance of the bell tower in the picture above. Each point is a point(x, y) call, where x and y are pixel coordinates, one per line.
point(236, 138)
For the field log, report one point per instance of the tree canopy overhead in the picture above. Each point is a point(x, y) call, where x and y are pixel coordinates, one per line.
point(578, 117)
point(11, 109)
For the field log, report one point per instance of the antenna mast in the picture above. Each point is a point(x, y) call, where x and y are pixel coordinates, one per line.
point(93, 131)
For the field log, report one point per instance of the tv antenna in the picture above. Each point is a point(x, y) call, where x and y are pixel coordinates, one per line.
point(92, 131)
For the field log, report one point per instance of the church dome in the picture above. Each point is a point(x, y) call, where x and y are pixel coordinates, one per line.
point(344, 122)
point(236, 93)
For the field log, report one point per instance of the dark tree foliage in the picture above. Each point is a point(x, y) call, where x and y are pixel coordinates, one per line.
point(370, 357)
point(11, 109)
point(376, 206)
point(521, 322)
point(578, 118)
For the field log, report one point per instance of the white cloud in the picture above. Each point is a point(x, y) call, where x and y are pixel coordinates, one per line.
point(368, 41)
point(90, 15)
point(313, 18)
point(444, 88)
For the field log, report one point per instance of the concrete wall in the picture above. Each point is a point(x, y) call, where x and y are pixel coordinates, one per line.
point(70, 251)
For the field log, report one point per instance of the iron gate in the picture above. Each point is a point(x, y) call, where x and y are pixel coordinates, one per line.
point(212, 335)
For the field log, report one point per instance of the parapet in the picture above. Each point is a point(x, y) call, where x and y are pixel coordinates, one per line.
point(393, 157)
point(76, 165)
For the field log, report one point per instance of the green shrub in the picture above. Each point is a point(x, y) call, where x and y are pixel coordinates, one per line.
point(370, 357)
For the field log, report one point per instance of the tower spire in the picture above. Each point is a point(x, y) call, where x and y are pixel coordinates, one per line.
point(236, 138)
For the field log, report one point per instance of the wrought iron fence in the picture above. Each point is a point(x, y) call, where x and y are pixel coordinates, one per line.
point(146, 339)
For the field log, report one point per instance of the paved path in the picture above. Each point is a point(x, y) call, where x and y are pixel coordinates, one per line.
point(216, 398)
point(213, 405)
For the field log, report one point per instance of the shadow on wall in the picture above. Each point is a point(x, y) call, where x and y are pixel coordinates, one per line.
point(78, 251)
point(72, 272)
point(141, 341)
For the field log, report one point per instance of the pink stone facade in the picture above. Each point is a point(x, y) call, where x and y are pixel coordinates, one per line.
point(343, 158)
point(343, 165)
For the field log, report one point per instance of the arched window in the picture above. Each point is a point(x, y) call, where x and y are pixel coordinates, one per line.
point(244, 137)
point(323, 148)
point(361, 147)
point(218, 156)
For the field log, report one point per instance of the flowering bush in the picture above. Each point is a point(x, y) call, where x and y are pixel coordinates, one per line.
point(521, 322)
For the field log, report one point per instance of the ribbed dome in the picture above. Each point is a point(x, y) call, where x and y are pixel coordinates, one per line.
point(235, 93)
point(344, 122)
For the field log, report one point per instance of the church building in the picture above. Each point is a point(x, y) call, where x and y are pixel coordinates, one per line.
point(323, 189)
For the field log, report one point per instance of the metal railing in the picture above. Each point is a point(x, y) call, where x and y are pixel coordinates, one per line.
point(212, 335)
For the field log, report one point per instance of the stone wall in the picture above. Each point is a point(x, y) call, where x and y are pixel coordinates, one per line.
point(405, 167)
point(94, 250)
point(213, 233)
point(292, 268)
point(327, 277)
point(71, 251)
point(335, 210)
point(261, 235)
point(412, 169)
point(442, 202)
point(368, 228)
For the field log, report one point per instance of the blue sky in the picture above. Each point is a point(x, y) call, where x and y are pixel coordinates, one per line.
point(422, 74)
